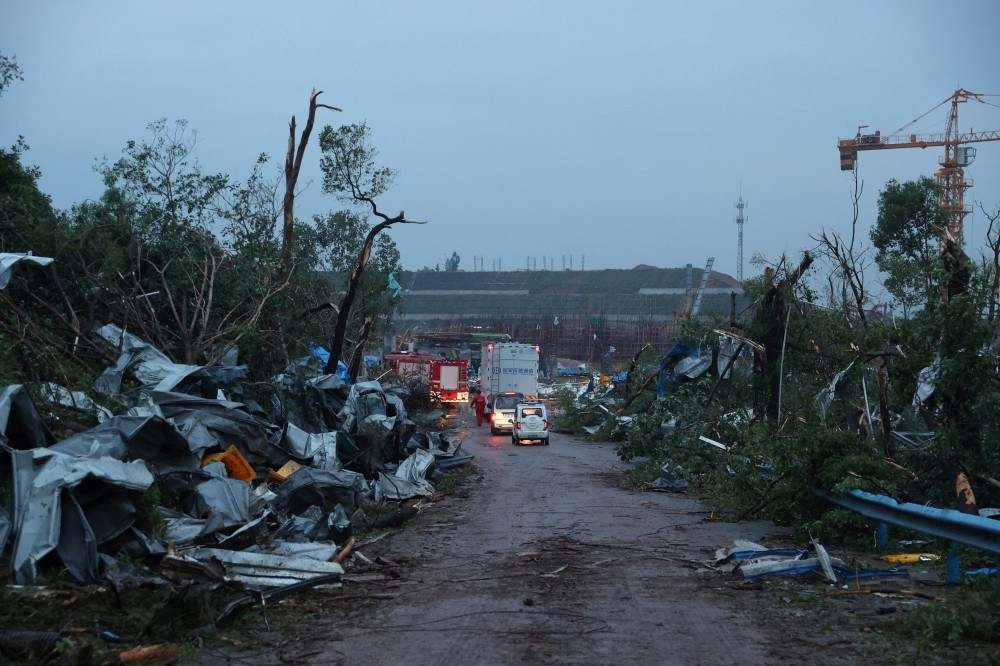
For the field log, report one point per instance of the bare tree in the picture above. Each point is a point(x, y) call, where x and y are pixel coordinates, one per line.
point(991, 264)
point(173, 303)
point(293, 163)
point(849, 262)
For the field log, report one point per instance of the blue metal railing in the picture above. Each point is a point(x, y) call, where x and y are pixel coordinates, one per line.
point(948, 524)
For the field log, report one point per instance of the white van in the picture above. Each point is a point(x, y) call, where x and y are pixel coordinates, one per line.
point(531, 422)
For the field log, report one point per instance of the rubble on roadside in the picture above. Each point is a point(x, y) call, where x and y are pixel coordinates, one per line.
point(198, 483)
point(753, 561)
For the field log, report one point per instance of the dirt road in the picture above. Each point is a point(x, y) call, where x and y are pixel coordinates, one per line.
point(551, 560)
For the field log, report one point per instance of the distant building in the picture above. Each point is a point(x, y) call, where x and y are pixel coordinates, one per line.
point(575, 314)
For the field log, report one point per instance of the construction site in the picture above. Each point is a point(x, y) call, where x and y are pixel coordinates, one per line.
point(601, 317)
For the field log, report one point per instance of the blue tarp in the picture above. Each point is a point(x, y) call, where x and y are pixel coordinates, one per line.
point(323, 355)
point(679, 351)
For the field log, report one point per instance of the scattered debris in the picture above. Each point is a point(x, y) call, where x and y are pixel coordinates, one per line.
point(147, 653)
point(263, 499)
point(8, 260)
point(910, 558)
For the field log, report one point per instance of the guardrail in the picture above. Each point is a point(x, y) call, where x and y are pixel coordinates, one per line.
point(948, 524)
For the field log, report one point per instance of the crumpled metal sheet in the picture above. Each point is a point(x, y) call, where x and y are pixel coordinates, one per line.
point(364, 400)
point(410, 478)
point(264, 570)
point(825, 561)
point(61, 395)
point(205, 423)
point(226, 498)
point(322, 552)
point(727, 349)
point(154, 368)
point(826, 396)
point(20, 422)
point(693, 366)
point(392, 487)
point(318, 449)
point(308, 398)
point(925, 382)
point(323, 488)
point(8, 260)
point(182, 529)
point(5, 527)
point(246, 535)
point(42, 513)
point(147, 438)
point(414, 468)
point(149, 365)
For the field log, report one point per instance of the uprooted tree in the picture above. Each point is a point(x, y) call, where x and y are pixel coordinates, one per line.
point(351, 173)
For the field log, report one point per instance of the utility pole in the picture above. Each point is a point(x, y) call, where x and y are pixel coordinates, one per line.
point(740, 221)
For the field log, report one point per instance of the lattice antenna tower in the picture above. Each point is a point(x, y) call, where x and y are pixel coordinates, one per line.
point(741, 219)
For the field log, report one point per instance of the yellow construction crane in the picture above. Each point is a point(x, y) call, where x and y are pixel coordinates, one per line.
point(951, 174)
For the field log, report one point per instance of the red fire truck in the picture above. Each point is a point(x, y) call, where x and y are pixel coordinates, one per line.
point(446, 379)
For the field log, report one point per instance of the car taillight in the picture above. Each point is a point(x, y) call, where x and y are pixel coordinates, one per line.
point(517, 424)
point(545, 425)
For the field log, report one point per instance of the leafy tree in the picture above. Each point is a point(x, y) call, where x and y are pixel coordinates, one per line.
point(10, 71)
point(905, 237)
point(451, 264)
point(352, 174)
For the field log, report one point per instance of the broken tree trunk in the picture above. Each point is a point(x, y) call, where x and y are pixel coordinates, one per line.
point(770, 327)
point(293, 163)
point(354, 282)
point(359, 349)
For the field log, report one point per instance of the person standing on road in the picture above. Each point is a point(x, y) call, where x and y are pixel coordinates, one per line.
point(479, 405)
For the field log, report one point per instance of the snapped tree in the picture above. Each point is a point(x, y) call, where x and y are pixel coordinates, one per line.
point(351, 173)
point(293, 164)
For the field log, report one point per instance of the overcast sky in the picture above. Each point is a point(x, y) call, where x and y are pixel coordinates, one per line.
point(618, 130)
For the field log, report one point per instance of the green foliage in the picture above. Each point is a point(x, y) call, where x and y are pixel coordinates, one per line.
point(971, 613)
point(185, 258)
point(773, 467)
point(10, 71)
point(349, 164)
point(905, 238)
point(569, 415)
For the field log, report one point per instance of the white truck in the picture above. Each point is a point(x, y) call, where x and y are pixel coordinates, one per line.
point(509, 367)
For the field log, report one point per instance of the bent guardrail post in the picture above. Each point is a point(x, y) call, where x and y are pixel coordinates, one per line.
point(948, 524)
point(881, 536)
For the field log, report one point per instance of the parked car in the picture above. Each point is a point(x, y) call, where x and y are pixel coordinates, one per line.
point(502, 408)
point(531, 422)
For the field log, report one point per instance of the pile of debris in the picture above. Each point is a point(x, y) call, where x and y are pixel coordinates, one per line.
point(754, 561)
point(193, 478)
